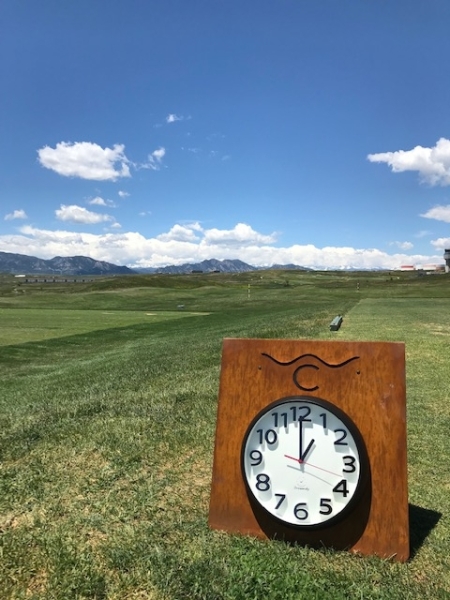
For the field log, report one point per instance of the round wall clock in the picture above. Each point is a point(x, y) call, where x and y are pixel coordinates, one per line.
point(304, 462)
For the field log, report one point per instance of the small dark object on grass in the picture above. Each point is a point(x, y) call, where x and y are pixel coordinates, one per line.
point(336, 323)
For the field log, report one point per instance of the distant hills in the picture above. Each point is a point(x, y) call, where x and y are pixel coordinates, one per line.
point(215, 266)
point(206, 266)
point(60, 265)
point(21, 264)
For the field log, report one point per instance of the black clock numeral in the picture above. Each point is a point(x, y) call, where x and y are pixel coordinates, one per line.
point(280, 417)
point(304, 417)
point(341, 488)
point(280, 501)
point(340, 441)
point(270, 436)
point(350, 464)
point(262, 482)
point(326, 506)
point(257, 457)
point(324, 419)
point(300, 512)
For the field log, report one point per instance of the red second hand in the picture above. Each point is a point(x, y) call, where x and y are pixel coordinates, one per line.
point(302, 462)
point(299, 460)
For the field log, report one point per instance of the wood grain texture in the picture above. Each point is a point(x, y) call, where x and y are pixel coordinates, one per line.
point(364, 379)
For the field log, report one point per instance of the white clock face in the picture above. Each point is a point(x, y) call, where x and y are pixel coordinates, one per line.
point(302, 461)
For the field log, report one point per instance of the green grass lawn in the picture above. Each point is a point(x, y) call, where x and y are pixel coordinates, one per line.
point(107, 433)
point(18, 326)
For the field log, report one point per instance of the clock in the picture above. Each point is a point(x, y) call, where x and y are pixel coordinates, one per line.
point(310, 444)
point(304, 462)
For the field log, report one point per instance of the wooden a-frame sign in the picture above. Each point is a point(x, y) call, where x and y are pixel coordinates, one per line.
point(366, 380)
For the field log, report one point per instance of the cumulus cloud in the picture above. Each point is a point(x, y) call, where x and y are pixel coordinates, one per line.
point(16, 214)
point(86, 160)
point(440, 213)
point(240, 235)
point(123, 194)
point(441, 243)
point(90, 161)
point(78, 214)
point(98, 201)
point(181, 233)
point(432, 164)
point(192, 243)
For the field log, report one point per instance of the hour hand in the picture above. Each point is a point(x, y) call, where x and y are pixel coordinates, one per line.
point(306, 452)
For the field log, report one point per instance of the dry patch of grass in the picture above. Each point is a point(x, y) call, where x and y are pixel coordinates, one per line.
point(437, 328)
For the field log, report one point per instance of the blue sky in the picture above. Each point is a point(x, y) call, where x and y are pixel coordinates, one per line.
point(147, 133)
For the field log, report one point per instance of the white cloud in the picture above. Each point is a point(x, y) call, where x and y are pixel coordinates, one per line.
point(403, 245)
point(441, 243)
point(172, 118)
point(423, 233)
point(158, 155)
point(78, 214)
point(154, 160)
point(440, 213)
point(432, 164)
point(240, 235)
point(192, 243)
point(16, 214)
point(123, 194)
point(180, 233)
point(86, 160)
point(98, 201)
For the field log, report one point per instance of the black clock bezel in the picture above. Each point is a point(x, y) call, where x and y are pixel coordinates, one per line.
point(363, 462)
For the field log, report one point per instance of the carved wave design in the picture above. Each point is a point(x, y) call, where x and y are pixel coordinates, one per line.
point(324, 362)
point(299, 371)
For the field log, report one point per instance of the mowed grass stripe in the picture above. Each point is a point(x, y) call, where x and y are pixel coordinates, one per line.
point(400, 319)
point(19, 326)
point(423, 324)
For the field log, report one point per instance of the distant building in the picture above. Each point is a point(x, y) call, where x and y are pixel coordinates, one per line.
point(447, 259)
point(427, 268)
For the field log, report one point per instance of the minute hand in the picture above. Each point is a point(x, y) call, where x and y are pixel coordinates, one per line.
point(300, 440)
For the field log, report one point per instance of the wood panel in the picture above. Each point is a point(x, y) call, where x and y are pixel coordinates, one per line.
point(364, 379)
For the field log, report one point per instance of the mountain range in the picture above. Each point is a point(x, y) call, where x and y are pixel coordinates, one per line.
point(60, 265)
point(82, 265)
point(206, 266)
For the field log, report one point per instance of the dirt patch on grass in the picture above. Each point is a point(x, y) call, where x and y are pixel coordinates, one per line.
point(38, 584)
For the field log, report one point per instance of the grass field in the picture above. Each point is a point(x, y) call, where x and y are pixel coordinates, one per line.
point(108, 397)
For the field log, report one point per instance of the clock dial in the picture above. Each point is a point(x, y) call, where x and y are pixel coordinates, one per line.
point(303, 461)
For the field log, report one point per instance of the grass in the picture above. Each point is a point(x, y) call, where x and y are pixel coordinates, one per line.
point(107, 433)
point(18, 325)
